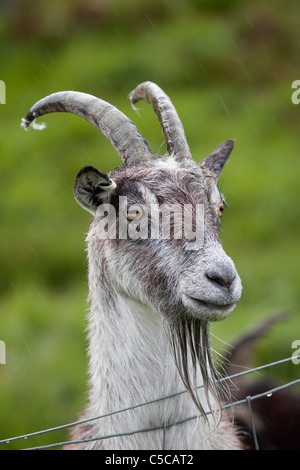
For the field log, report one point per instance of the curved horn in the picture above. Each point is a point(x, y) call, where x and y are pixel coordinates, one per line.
point(168, 117)
point(114, 125)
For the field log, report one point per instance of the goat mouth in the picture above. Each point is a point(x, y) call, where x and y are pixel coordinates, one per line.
point(206, 309)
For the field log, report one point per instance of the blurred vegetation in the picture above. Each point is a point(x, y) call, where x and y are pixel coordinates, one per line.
point(228, 67)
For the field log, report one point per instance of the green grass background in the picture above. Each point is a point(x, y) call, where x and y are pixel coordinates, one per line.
point(228, 66)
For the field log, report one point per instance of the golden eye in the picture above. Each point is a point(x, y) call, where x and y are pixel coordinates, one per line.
point(221, 210)
point(134, 212)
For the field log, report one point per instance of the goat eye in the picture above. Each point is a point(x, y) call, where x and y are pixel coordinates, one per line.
point(221, 209)
point(134, 212)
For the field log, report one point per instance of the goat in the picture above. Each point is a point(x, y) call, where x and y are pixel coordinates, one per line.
point(151, 298)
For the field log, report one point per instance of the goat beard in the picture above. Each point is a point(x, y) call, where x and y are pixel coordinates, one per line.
point(190, 342)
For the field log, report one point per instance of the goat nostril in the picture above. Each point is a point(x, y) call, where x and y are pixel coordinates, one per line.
point(224, 277)
point(219, 280)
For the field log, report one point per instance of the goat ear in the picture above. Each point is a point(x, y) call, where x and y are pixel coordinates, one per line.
point(92, 188)
point(216, 160)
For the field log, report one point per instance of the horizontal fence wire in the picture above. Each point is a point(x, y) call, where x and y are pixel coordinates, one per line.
point(245, 401)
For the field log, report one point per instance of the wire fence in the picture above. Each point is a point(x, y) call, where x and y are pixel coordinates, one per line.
point(164, 426)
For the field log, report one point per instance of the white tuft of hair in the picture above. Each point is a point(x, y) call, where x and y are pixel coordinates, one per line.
point(34, 125)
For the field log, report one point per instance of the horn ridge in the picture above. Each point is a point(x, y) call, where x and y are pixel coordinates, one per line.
point(171, 125)
point(114, 125)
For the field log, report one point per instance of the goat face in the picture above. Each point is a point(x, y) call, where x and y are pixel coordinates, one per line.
point(181, 273)
point(157, 229)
